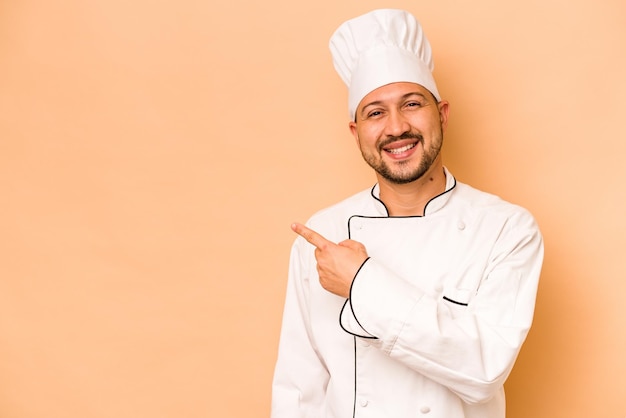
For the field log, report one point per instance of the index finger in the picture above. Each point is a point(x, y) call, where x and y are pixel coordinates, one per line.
point(310, 235)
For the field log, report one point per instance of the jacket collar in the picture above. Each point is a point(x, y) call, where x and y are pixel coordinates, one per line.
point(433, 205)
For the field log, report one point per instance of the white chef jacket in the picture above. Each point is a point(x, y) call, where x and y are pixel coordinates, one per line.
point(435, 318)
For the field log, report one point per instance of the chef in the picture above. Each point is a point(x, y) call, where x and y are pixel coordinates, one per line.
point(411, 298)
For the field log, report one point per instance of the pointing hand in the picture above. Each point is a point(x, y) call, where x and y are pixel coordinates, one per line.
point(337, 264)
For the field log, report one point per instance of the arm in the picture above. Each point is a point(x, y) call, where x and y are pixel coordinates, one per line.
point(300, 378)
point(469, 349)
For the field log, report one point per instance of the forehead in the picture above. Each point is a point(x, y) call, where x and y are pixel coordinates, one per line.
point(393, 92)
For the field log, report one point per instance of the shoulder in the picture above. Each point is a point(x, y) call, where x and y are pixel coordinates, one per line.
point(483, 204)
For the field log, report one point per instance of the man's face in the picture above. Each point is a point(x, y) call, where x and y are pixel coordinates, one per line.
point(399, 128)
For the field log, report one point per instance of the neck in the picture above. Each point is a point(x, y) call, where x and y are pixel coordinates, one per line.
point(410, 199)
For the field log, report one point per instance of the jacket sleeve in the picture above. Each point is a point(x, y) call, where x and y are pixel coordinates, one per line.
point(469, 349)
point(300, 377)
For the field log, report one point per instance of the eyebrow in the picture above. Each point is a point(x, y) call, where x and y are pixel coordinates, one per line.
point(404, 97)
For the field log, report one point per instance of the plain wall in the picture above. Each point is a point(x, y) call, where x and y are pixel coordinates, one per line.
point(153, 155)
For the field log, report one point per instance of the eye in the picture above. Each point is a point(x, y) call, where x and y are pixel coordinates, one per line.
point(374, 113)
point(414, 104)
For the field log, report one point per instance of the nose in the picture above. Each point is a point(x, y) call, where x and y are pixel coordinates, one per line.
point(396, 124)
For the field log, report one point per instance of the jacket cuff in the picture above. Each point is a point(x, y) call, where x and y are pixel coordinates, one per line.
point(380, 303)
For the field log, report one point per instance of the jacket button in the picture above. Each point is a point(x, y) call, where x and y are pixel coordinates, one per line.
point(461, 225)
point(424, 409)
point(364, 403)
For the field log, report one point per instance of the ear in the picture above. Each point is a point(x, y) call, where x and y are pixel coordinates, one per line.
point(353, 131)
point(444, 109)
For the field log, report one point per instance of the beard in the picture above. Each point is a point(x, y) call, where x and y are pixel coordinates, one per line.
point(403, 172)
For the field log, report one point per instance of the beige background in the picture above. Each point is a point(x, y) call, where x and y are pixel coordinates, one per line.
point(153, 154)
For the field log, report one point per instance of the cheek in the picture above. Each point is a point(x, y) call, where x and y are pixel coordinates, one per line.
point(367, 136)
point(428, 126)
point(366, 141)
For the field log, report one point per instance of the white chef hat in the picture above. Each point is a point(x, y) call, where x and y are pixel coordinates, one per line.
point(378, 48)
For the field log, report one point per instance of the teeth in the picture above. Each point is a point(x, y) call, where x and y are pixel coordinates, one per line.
point(401, 150)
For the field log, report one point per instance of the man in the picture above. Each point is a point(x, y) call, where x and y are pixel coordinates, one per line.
point(412, 298)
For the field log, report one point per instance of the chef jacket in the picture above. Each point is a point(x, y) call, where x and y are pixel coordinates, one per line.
point(435, 317)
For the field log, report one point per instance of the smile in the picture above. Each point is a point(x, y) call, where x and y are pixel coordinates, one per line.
point(401, 149)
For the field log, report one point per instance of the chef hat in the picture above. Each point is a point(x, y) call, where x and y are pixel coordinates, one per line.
point(379, 48)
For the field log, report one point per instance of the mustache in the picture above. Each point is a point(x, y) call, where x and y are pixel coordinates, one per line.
point(392, 139)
